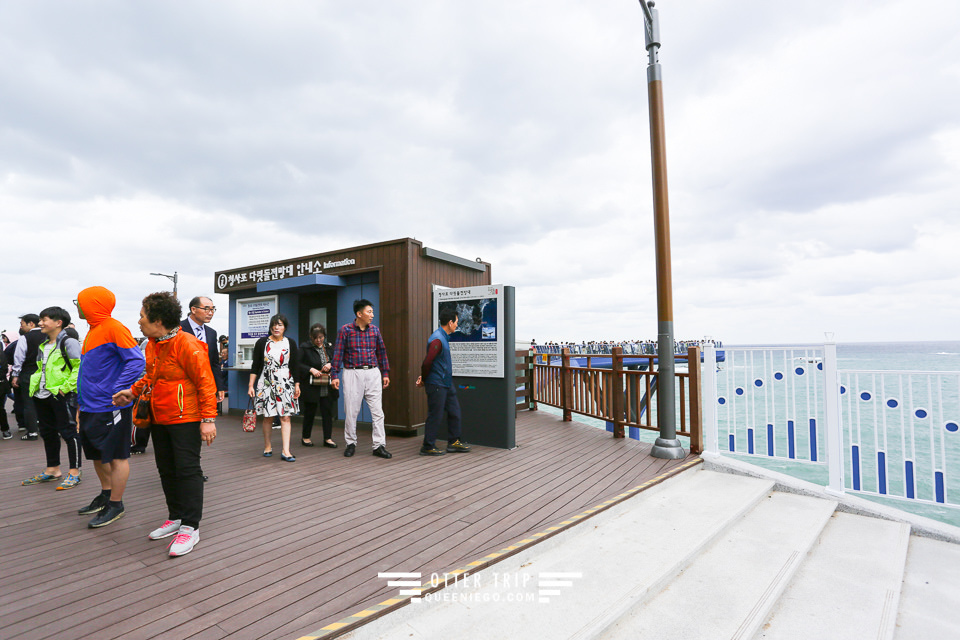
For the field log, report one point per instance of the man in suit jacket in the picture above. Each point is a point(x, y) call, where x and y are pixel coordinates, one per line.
point(201, 313)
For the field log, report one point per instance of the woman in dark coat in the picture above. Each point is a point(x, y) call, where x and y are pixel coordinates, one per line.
point(314, 360)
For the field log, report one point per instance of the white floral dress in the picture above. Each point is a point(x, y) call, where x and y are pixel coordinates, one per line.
point(275, 388)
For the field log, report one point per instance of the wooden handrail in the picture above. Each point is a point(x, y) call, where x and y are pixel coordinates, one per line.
point(616, 394)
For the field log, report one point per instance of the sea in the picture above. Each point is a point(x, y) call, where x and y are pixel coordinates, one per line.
point(914, 357)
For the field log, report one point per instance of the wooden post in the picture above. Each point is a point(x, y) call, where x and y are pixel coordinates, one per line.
point(531, 379)
point(696, 411)
point(616, 366)
point(566, 385)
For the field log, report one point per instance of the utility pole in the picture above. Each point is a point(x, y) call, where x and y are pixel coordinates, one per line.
point(173, 277)
point(667, 446)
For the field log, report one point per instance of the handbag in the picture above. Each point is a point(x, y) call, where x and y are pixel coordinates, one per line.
point(323, 380)
point(141, 409)
point(250, 417)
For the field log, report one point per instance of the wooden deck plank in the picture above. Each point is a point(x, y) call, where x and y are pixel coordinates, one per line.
point(286, 548)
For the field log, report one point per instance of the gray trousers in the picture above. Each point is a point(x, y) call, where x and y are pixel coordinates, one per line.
point(358, 385)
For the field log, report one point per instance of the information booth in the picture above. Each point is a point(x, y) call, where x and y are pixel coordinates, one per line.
point(398, 277)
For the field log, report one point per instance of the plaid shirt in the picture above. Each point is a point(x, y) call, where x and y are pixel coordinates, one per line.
point(356, 348)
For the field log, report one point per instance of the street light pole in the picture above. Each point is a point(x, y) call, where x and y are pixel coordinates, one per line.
point(667, 445)
point(173, 277)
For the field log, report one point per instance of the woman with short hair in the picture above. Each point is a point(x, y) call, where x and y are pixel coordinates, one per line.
point(314, 361)
point(183, 411)
point(274, 384)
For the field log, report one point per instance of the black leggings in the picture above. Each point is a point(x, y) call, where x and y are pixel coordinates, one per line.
point(309, 410)
point(56, 419)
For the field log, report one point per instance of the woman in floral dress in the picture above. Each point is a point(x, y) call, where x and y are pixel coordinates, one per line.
point(273, 384)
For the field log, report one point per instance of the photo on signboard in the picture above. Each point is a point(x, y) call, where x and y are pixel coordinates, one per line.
point(477, 319)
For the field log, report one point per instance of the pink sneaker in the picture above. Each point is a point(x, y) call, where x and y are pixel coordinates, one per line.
point(186, 539)
point(168, 528)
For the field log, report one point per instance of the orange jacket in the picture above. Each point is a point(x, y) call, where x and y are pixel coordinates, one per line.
point(184, 390)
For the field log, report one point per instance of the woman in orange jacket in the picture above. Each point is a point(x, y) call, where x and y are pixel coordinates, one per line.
point(183, 407)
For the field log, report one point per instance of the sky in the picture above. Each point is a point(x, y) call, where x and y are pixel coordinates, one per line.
point(813, 155)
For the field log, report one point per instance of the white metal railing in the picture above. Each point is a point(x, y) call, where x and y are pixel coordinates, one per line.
point(894, 434)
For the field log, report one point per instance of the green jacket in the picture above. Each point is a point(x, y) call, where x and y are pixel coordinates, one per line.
point(61, 376)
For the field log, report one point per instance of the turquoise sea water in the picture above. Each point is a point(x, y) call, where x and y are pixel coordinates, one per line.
point(906, 425)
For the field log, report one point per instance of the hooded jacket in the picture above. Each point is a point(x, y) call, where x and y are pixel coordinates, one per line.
point(111, 360)
point(183, 386)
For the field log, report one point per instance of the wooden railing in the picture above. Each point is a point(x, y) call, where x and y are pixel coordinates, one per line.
point(624, 396)
point(525, 381)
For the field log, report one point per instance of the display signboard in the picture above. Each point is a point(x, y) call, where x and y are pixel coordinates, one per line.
point(477, 346)
point(253, 323)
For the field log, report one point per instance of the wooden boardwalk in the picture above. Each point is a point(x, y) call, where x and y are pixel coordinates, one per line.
point(287, 548)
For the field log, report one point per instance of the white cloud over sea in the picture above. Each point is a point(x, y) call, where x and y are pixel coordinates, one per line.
point(813, 154)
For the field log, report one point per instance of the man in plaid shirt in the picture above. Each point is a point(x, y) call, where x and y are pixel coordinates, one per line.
point(361, 354)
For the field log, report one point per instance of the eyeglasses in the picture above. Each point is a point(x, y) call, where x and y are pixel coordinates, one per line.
point(76, 303)
point(206, 308)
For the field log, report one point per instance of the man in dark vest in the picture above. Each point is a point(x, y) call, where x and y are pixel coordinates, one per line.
point(24, 364)
point(436, 376)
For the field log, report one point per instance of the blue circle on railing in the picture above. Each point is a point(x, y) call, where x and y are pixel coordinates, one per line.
point(722, 400)
point(820, 366)
point(952, 427)
point(778, 375)
point(739, 391)
point(865, 396)
point(892, 403)
point(758, 382)
point(843, 389)
point(799, 371)
point(920, 413)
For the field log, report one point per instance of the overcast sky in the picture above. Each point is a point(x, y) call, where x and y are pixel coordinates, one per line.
point(813, 154)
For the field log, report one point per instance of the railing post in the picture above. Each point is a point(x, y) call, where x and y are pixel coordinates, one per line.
point(616, 368)
point(831, 405)
point(531, 363)
point(710, 393)
point(696, 415)
point(566, 385)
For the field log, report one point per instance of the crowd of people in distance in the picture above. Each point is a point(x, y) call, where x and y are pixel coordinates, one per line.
point(109, 394)
point(630, 347)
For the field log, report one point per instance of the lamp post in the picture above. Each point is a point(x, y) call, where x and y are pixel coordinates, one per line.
point(173, 277)
point(667, 445)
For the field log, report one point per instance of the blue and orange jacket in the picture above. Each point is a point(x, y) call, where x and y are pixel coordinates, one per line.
point(111, 360)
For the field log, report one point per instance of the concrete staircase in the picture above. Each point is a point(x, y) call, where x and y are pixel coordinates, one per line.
point(704, 555)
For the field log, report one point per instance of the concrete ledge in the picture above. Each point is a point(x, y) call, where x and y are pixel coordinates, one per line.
point(919, 525)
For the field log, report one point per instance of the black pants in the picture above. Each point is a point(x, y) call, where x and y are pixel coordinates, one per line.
point(56, 419)
point(176, 448)
point(141, 437)
point(29, 408)
point(440, 399)
point(309, 410)
point(4, 423)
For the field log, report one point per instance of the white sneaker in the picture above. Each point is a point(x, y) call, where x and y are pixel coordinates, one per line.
point(187, 538)
point(168, 528)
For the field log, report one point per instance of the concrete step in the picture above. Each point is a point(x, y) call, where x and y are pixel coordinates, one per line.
point(849, 586)
point(930, 599)
point(620, 557)
point(731, 588)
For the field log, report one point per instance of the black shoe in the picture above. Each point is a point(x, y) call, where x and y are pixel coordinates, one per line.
point(7, 435)
point(94, 507)
point(349, 451)
point(105, 517)
point(430, 451)
point(137, 451)
point(205, 478)
point(457, 446)
point(305, 443)
point(30, 436)
point(330, 445)
point(381, 452)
